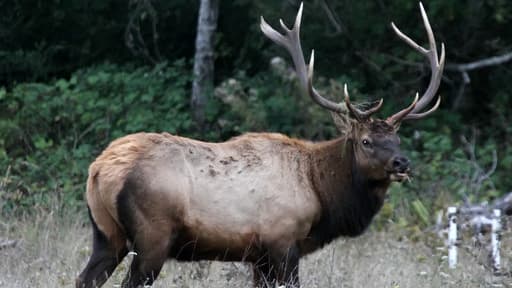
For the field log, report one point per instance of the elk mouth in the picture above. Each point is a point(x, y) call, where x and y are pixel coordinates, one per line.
point(399, 176)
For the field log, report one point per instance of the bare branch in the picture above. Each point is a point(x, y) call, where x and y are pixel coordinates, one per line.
point(479, 64)
point(154, 22)
point(462, 67)
point(133, 35)
point(478, 174)
point(333, 18)
point(491, 170)
point(462, 89)
point(419, 65)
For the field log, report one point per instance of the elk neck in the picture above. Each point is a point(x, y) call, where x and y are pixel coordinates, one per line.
point(349, 200)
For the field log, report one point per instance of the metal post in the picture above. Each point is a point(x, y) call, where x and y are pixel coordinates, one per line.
point(452, 237)
point(495, 241)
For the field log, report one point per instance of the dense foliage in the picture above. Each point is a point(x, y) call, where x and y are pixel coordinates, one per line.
point(71, 85)
point(52, 131)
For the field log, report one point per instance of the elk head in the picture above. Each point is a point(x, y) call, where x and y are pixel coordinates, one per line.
point(374, 142)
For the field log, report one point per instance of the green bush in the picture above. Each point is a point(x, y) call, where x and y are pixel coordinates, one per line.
point(51, 132)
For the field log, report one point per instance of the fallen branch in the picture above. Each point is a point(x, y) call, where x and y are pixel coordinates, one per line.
point(479, 216)
point(503, 203)
point(8, 244)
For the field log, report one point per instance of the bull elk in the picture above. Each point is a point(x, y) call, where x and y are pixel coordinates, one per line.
point(262, 198)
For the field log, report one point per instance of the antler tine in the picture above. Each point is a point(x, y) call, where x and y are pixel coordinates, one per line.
point(359, 114)
point(291, 41)
point(436, 65)
point(329, 105)
point(414, 116)
point(396, 118)
point(430, 33)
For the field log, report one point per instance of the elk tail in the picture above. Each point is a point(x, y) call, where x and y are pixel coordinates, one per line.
point(105, 225)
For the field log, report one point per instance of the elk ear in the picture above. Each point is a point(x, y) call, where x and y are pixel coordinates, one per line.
point(342, 122)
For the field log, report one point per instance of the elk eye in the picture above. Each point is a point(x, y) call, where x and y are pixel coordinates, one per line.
point(366, 143)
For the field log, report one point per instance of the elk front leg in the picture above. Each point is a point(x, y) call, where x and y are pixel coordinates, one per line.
point(288, 269)
point(263, 273)
point(285, 262)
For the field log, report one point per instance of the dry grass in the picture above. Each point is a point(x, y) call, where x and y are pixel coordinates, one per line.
point(53, 250)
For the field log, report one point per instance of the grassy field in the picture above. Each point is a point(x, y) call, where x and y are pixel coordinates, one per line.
point(52, 250)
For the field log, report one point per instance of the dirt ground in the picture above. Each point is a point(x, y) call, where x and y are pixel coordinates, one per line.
point(51, 251)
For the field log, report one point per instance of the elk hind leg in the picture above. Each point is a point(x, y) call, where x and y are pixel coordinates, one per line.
point(152, 249)
point(106, 255)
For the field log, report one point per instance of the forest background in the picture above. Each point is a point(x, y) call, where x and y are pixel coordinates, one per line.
point(74, 75)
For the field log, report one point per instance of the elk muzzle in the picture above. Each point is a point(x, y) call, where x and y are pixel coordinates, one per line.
point(398, 168)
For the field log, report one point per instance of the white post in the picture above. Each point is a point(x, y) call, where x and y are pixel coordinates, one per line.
point(495, 241)
point(452, 237)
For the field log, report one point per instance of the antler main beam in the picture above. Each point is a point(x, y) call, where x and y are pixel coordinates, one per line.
point(436, 65)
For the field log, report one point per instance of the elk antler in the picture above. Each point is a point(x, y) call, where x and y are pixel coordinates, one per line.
point(436, 65)
point(291, 41)
point(358, 114)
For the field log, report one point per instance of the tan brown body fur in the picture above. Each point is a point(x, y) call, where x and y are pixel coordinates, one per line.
point(217, 192)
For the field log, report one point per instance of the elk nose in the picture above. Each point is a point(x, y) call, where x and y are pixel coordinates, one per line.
point(400, 164)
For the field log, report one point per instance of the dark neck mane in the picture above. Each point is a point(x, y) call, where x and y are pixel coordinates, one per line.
point(349, 201)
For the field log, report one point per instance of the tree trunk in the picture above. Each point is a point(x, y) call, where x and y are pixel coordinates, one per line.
point(202, 84)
